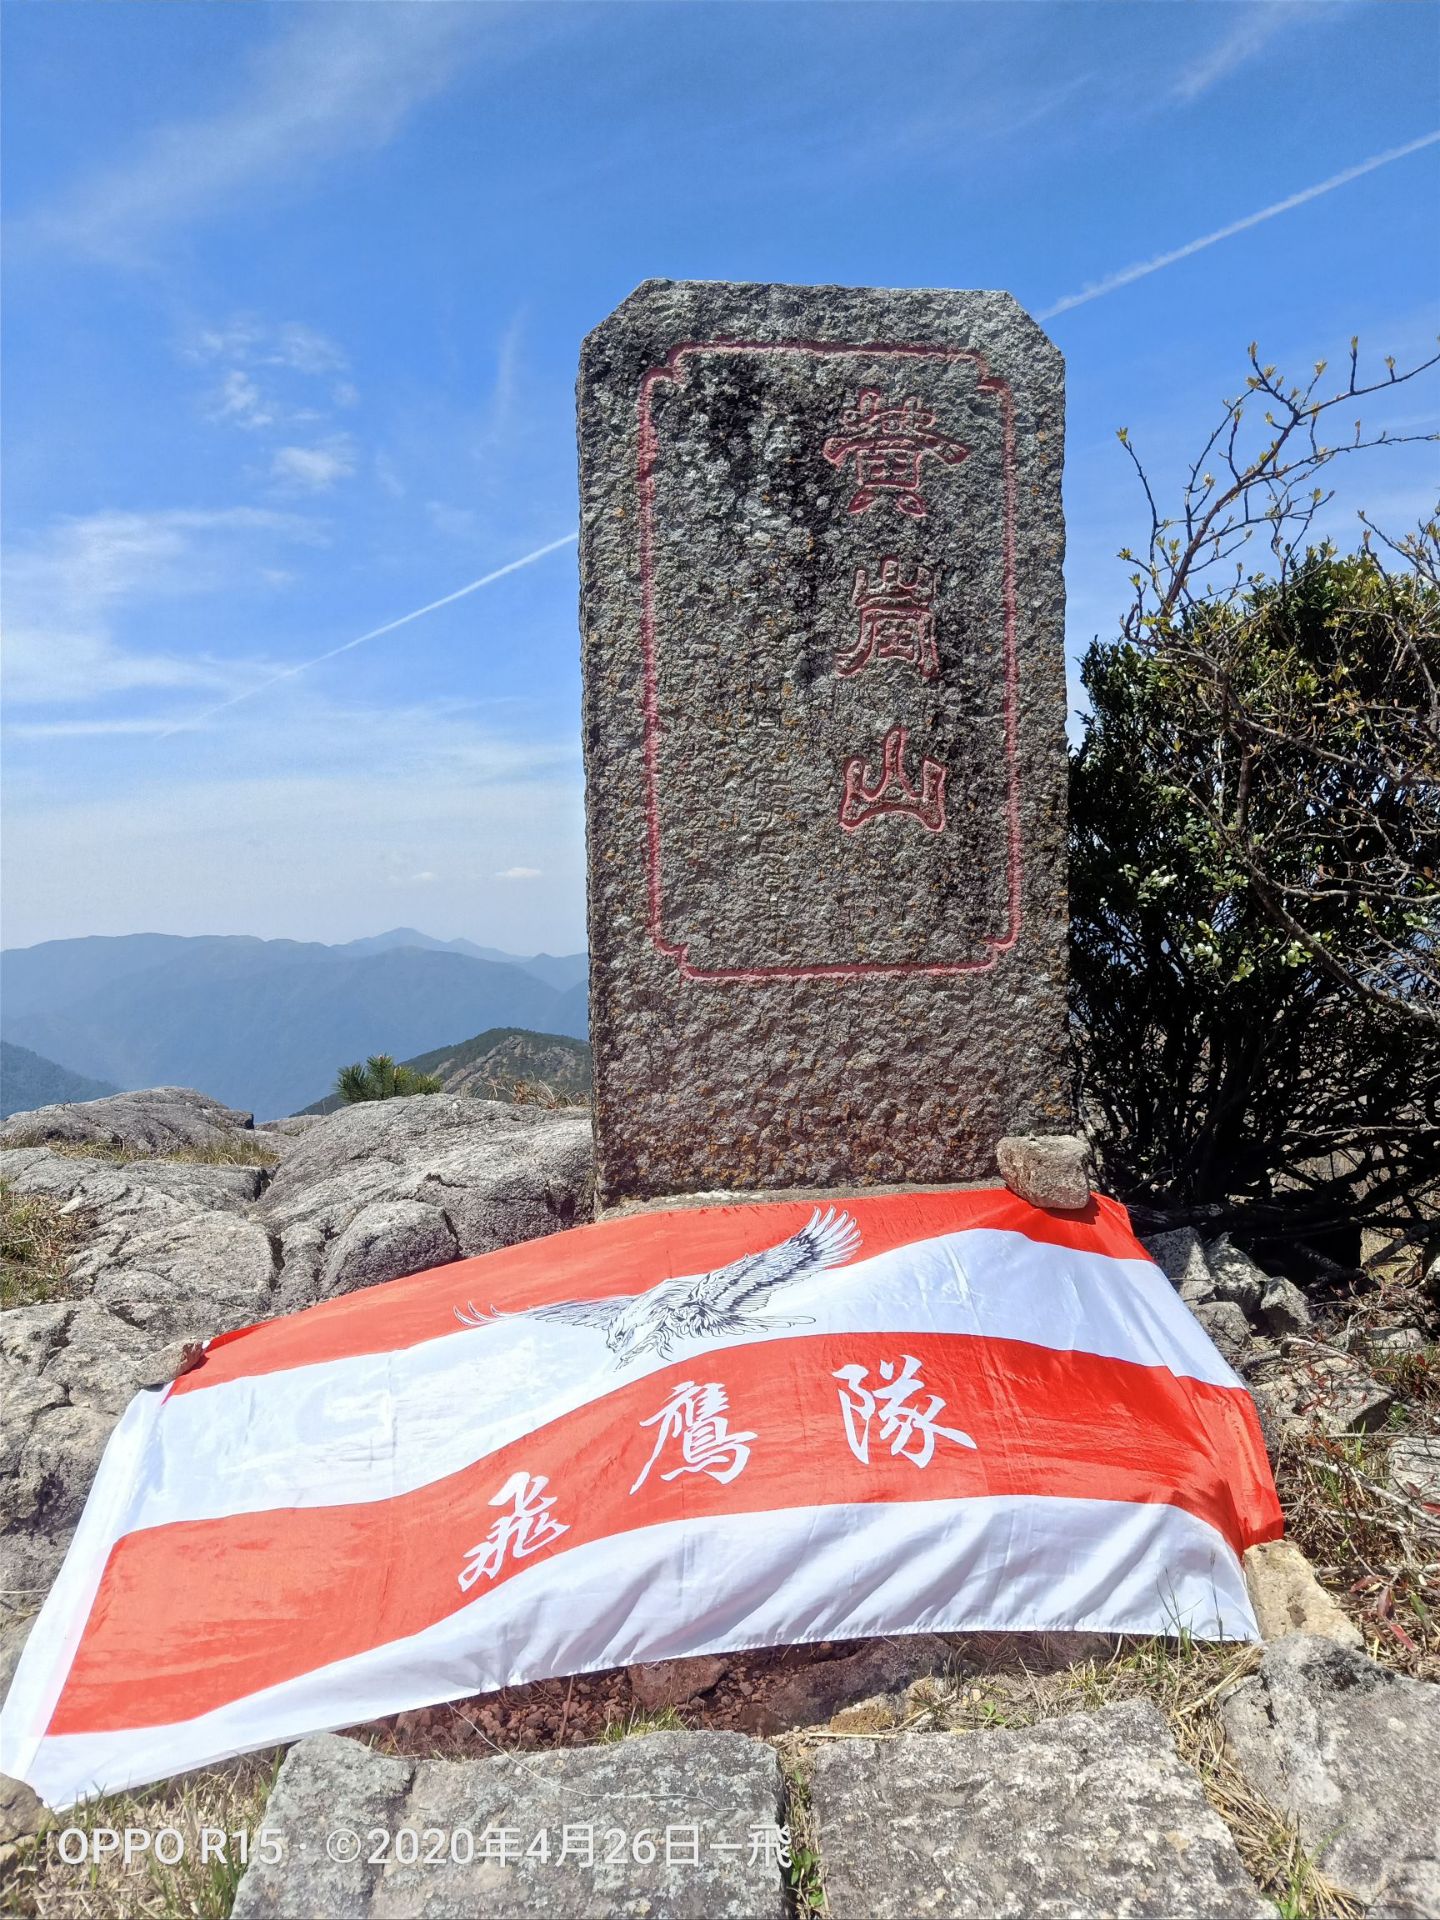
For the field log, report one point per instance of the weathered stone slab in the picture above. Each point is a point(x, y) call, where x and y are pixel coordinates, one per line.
point(822, 608)
point(1092, 1814)
point(1237, 1278)
point(1328, 1391)
point(157, 1120)
point(1288, 1598)
point(679, 1825)
point(1352, 1751)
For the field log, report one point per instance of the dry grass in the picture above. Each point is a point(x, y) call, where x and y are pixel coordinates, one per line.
point(226, 1150)
point(667, 1720)
point(37, 1238)
point(36, 1883)
point(806, 1881)
point(1375, 1550)
point(533, 1093)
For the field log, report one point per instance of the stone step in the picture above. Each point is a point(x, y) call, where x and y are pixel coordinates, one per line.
point(665, 1824)
point(1093, 1814)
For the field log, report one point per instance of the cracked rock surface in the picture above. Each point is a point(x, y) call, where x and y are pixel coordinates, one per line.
point(175, 1251)
point(1094, 1814)
point(1351, 1750)
point(671, 1817)
point(389, 1187)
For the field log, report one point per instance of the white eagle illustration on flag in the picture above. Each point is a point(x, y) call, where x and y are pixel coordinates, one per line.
point(717, 1305)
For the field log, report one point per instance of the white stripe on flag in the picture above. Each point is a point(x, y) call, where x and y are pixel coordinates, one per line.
point(709, 1586)
point(374, 1425)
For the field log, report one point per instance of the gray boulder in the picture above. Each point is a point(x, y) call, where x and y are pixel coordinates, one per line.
point(670, 1819)
point(1396, 1343)
point(1236, 1276)
point(1351, 1750)
point(157, 1120)
point(1091, 1814)
point(1325, 1390)
point(1283, 1307)
point(125, 1188)
point(1227, 1327)
point(485, 1174)
point(385, 1240)
point(170, 1258)
point(175, 1253)
point(1180, 1256)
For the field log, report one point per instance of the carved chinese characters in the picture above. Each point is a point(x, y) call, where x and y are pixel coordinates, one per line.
point(888, 441)
point(897, 618)
point(824, 734)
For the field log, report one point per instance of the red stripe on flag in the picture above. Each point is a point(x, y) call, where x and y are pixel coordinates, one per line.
point(627, 1256)
point(192, 1615)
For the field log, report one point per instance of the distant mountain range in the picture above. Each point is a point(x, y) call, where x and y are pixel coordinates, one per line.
point(489, 1066)
point(28, 1081)
point(266, 1024)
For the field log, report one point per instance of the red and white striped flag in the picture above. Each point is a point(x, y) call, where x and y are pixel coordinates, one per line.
point(672, 1433)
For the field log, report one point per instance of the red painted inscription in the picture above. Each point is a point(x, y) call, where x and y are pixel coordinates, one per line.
point(887, 440)
point(897, 618)
point(867, 796)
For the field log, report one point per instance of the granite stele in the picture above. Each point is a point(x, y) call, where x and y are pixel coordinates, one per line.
point(823, 612)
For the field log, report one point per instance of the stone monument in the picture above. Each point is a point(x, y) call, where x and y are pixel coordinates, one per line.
point(824, 720)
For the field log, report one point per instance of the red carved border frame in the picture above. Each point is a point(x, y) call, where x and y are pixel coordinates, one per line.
point(673, 369)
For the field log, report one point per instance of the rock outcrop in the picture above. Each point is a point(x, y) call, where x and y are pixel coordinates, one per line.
point(1264, 1326)
point(1351, 1750)
point(158, 1120)
point(389, 1187)
point(177, 1251)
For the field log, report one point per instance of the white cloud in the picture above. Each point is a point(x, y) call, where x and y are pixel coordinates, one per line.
point(293, 820)
point(375, 633)
point(154, 724)
point(1255, 28)
point(64, 589)
point(313, 469)
point(258, 343)
point(304, 349)
point(387, 478)
point(456, 523)
point(241, 401)
point(340, 79)
point(519, 873)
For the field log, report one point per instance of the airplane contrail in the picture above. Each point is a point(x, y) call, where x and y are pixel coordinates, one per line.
point(289, 673)
point(1138, 272)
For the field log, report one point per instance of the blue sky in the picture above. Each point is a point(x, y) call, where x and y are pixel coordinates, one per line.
point(293, 300)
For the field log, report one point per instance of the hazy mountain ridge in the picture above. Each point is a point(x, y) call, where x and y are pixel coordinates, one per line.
point(27, 1081)
point(264, 1024)
point(490, 1063)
